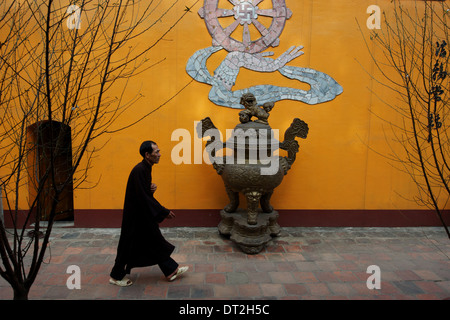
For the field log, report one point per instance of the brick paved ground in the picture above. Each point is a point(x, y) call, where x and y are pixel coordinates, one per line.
point(303, 263)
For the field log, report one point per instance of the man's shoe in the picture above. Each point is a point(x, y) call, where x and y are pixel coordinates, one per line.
point(179, 271)
point(125, 282)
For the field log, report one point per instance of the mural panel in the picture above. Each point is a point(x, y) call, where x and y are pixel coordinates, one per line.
point(250, 54)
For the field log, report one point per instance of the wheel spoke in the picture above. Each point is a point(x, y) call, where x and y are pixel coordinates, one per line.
point(266, 12)
point(220, 13)
point(229, 30)
point(246, 35)
point(260, 27)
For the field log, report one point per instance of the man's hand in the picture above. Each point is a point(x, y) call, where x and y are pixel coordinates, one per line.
point(171, 215)
point(153, 187)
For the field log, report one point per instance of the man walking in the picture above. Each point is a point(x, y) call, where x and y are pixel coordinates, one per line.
point(141, 243)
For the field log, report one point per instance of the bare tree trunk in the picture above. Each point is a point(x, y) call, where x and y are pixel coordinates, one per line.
point(2, 218)
point(20, 293)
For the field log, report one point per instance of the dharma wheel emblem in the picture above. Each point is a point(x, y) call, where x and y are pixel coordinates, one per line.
point(245, 13)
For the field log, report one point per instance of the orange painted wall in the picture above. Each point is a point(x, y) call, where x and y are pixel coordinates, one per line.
point(336, 167)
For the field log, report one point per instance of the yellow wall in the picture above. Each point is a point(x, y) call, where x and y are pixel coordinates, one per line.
point(335, 167)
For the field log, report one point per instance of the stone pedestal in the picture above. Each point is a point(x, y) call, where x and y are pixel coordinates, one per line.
point(250, 238)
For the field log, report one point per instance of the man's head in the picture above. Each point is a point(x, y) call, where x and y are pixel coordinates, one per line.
point(150, 152)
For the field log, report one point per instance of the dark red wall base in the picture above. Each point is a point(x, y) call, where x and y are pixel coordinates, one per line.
point(288, 218)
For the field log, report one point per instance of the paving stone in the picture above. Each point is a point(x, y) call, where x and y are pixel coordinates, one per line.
point(236, 278)
point(218, 278)
point(249, 290)
point(408, 288)
point(202, 292)
point(281, 277)
point(339, 288)
point(296, 289)
point(178, 292)
point(272, 290)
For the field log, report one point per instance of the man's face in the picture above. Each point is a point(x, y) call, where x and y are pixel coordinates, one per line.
point(153, 157)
